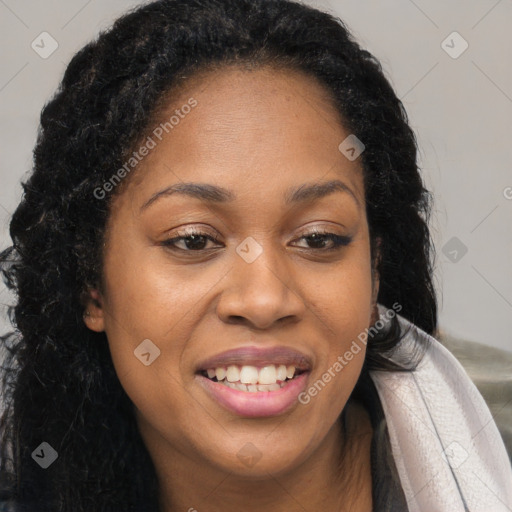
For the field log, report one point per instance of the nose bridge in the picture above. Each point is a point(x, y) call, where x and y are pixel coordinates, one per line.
point(259, 286)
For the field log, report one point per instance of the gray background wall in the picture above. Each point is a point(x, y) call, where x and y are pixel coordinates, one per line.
point(460, 105)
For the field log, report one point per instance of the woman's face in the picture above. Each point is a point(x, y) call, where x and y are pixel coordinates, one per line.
point(253, 291)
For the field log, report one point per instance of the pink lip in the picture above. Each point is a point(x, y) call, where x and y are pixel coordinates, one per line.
point(261, 403)
point(258, 356)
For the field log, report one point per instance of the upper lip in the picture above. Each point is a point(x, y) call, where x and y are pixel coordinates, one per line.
point(258, 356)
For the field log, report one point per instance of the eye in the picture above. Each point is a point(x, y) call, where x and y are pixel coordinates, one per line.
point(192, 241)
point(319, 239)
point(196, 241)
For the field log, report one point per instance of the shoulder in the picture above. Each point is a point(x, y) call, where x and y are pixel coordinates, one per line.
point(490, 369)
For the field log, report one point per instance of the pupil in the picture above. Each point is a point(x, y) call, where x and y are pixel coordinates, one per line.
point(318, 239)
point(195, 239)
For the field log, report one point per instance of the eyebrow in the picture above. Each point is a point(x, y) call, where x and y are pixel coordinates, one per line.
point(213, 193)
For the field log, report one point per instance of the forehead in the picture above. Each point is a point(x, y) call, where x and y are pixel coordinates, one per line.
point(257, 132)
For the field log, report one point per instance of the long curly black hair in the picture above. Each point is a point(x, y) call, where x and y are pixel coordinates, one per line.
point(59, 383)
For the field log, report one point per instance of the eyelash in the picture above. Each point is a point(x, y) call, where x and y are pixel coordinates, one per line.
point(338, 241)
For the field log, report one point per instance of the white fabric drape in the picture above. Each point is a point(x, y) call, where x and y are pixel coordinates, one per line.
point(448, 451)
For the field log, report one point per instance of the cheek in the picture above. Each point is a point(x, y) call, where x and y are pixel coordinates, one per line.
point(149, 296)
point(343, 307)
point(143, 311)
point(344, 297)
point(150, 312)
point(150, 299)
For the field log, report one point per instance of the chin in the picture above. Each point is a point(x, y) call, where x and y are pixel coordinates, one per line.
point(260, 456)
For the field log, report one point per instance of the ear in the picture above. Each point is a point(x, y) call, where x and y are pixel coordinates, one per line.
point(94, 314)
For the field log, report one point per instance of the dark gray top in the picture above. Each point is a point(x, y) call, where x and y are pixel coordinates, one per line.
point(387, 492)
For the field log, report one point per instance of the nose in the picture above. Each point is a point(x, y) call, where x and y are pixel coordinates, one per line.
point(260, 293)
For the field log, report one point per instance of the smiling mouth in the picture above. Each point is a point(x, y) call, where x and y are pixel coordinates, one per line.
point(253, 379)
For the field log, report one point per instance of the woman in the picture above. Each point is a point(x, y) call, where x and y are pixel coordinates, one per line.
point(224, 280)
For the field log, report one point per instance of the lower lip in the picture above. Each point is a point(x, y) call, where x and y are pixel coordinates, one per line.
point(258, 404)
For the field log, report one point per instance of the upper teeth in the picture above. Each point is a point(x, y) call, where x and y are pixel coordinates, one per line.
point(251, 374)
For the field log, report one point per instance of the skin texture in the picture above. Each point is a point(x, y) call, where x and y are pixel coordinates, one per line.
point(256, 133)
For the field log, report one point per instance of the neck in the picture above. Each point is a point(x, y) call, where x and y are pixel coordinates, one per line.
point(336, 477)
